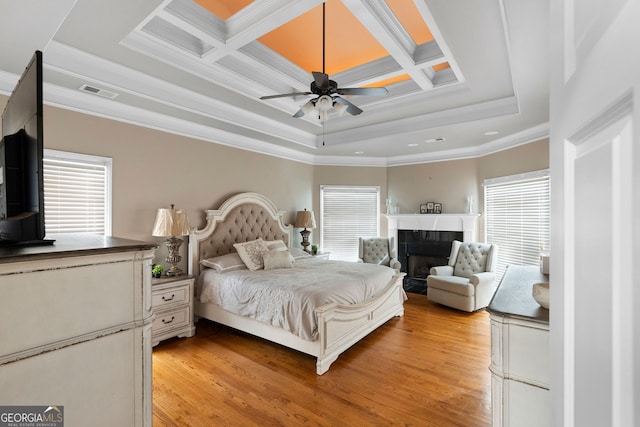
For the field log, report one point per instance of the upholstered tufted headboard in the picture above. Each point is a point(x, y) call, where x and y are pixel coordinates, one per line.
point(241, 218)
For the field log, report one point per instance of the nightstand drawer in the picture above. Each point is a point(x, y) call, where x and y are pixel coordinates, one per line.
point(177, 295)
point(171, 319)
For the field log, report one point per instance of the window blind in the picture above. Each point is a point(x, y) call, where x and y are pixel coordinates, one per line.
point(518, 218)
point(347, 213)
point(76, 193)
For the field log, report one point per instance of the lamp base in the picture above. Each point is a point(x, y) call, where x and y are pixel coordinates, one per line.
point(305, 240)
point(173, 258)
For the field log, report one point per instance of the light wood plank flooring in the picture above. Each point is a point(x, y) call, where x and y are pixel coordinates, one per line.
point(427, 368)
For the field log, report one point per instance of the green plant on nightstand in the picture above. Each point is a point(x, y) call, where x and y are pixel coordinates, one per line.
point(157, 270)
point(314, 249)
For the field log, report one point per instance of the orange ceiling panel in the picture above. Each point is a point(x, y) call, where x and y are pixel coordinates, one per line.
point(440, 67)
point(348, 43)
point(411, 20)
point(224, 9)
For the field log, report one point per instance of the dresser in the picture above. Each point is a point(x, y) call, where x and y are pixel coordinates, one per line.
point(172, 299)
point(76, 329)
point(520, 360)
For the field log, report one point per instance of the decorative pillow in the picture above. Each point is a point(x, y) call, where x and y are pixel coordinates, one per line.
point(251, 253)
point(276, 245)
point(224, 263)
point(277, 259)
point(279, 245)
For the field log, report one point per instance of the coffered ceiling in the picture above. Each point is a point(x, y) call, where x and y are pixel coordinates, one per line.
point(464, 78)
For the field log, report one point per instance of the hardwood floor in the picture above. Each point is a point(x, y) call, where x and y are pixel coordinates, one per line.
point(427, 368)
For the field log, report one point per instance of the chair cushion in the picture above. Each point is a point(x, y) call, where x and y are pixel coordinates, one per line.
point(472, 259)
point(376, 251)
point(454, 284)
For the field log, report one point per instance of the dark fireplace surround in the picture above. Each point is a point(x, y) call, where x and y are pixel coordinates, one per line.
point(419, 250)
point(424, 241)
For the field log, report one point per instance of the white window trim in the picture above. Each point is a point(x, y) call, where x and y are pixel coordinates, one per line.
point(96, 160)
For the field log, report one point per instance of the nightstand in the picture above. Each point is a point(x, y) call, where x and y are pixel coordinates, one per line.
point(322, 255)
point(172, 301)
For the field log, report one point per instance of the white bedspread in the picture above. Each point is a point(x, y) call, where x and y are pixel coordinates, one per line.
point(287, 297)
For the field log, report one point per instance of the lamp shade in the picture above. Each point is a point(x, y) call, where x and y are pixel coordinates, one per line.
point(305, 219)
point(171, 222)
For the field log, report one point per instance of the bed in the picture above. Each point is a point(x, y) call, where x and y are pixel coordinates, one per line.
point(337, 325)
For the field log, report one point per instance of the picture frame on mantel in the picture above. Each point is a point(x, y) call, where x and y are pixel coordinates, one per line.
point(423, 208)
point(437, 208)
point(430, 207)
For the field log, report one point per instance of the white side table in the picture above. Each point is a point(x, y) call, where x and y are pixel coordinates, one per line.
point(172, 301)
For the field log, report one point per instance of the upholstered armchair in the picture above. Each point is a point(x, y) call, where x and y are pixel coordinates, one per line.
point(378, 250)
point(468, 281)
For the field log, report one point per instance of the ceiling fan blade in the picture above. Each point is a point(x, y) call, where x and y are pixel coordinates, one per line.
point(283, 95)
point(351, 109)
point(321, 79)
point(363, 91)
point(299, 114)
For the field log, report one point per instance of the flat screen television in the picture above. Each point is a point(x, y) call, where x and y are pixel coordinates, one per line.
point(21, 152)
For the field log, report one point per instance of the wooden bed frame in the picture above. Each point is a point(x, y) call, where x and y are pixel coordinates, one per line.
point(248, 216)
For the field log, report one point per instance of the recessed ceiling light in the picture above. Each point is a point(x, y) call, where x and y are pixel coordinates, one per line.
point(359, 152)
point(438, 139)
point(491, 132)
point(413, 145)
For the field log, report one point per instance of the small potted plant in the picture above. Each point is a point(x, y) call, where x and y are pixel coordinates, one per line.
point(156, 270)
point(314, 249)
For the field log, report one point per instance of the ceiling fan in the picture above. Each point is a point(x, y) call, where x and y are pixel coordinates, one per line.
point(328, 92)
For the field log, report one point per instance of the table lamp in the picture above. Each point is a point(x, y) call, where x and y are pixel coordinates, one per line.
point(171, 223)
point(305, 219)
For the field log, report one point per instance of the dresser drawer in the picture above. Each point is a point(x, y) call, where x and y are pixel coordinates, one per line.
point(175, 295)
point(171, 319)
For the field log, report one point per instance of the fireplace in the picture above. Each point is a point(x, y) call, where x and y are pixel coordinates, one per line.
point(424, 241)
point(419, 250)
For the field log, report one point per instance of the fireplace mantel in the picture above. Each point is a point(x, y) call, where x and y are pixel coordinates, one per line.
point(434, 222)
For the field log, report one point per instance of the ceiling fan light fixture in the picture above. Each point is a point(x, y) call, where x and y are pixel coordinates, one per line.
point(340, 108)
point(324, 103)
point(307, 108)
point(327, 91)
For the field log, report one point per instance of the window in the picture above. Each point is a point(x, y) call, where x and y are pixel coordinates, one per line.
point(347, 213)
point(77, 193)
point(517, 217)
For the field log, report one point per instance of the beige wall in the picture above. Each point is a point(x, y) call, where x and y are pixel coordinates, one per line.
point(447, 182)
point(153, 169)
point(451, 182)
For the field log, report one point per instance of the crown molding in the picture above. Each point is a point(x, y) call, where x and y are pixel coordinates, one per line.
point(105, 108)
point(8, 82)
point(532, 134)
point(468, 113)
point(121, 79)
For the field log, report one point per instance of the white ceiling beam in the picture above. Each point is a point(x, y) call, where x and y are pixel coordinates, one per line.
point(377, 16)
point(262, 17)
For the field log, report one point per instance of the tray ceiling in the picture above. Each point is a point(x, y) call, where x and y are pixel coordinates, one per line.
point(455, 71)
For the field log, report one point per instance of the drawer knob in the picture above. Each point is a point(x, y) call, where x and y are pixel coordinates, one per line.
point(166, 322)
point(165, 299)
